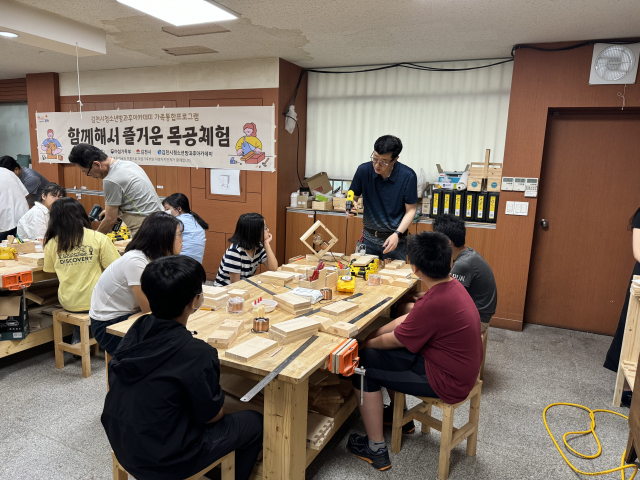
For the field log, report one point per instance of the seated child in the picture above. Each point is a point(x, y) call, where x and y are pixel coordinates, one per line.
point(33, 224)
point(164, 413)
point(434, 351)
point(118, 294)
point(250, 246)
point(194, 238)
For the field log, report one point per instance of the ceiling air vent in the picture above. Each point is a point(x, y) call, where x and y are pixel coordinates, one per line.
point(195, 50)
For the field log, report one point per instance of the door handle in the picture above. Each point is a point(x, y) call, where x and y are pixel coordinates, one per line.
point(544, 223)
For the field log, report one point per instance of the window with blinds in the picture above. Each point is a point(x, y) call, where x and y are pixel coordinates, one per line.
point(448, 118)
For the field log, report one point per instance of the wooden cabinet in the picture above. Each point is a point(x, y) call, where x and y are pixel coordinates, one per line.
point(298, 222)
point(354, 232)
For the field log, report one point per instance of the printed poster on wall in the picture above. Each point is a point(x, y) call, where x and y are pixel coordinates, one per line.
point(240, 138)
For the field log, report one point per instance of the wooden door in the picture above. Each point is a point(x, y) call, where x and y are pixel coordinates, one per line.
point(581, 263)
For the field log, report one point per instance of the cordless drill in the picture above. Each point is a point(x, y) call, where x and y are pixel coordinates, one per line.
point(350, 203)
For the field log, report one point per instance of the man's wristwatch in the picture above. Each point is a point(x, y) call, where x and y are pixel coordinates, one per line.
point(397, 232)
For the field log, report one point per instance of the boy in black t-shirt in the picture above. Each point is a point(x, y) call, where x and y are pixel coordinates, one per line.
point(164, 413)
point(469, 268)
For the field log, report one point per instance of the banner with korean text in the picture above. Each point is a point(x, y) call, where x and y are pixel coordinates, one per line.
point(240, 138)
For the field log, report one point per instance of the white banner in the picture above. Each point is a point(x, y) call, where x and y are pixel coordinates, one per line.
point(241, 138)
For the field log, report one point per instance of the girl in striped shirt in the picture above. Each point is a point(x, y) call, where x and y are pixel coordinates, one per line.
point(250, 246)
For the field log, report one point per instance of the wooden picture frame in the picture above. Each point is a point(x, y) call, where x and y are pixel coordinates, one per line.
point(304, 239)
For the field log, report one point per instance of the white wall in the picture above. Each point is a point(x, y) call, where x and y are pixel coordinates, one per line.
point(448, 118)
point(14, 129)
point(229, 75)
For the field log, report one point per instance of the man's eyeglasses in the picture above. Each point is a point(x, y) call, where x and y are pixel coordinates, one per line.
point(90, 167)
point(376, 161)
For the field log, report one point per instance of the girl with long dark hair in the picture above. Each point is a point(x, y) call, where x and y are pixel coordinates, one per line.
point(118, 295)
point(250, 246)
point(193, 236)
point(613, 355)
point(76, 254)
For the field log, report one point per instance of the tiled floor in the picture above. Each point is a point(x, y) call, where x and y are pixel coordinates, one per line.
point(50, 421)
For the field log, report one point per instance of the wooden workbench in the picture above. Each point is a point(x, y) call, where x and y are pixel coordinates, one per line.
point(12, 266)
point(630, 344)
point(285, 455)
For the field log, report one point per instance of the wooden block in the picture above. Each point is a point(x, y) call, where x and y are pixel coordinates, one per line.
point(280, 277)
point(331, 280)
point(213, 291)
point(386, 279)
point(364, 260)
point(300, 311)
point(238, 292)
point(292, 301)
point(328, 409)
point(297, 325)
point(395, 265)
point(26, 247)
point(232, 325)
point(31, 259)
point(216, 302)
point(315, 285)
point(338, 308)
point(250, 349)
point(324, 322)
point(400, 272)
point(402, 282)
point(318, 427)
point(286, 339)
point(222, 338)
point(345, 388)
point(343, 329)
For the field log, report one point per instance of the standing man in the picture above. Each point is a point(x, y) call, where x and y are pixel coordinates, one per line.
point(33, 181)
point(390, 195)
point(127, 189)
point(13, 203)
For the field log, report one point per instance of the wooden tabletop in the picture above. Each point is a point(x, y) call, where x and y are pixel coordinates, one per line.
point(205, 322)
point(13, 266)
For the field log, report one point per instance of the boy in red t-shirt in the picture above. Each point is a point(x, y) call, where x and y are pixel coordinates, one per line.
point(433, 351)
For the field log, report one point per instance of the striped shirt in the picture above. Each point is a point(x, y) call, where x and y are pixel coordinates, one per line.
point(236, 260)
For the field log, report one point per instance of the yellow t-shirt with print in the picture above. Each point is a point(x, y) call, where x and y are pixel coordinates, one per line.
point(79, 270)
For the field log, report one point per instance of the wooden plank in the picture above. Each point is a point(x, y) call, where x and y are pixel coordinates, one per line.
point(210, 291)
point(401, 272)
point(233, 325)
point(402, 282)
point(297, 325)
point(343, 329)
point(222, 338)
point(34, 339)
point(364, 260)
point(292, 301)
point(324, 322)
point(250, 349)
point(338, 308)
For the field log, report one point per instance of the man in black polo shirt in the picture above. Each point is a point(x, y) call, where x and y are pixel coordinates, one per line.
point(390, 194)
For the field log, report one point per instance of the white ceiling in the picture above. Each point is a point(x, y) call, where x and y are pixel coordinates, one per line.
point(314, 33)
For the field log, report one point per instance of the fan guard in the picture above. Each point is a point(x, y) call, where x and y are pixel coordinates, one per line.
point(614, 62)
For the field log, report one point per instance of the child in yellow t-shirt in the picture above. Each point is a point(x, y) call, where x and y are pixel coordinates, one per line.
point(76, 254)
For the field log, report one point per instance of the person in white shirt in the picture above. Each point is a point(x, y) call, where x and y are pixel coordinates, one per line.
point(13, 203)
point(33, 224)
point(118, 295)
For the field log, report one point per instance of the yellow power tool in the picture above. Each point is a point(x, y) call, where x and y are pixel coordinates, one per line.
point(350, 203)
point(7, 253)
point(346, 284)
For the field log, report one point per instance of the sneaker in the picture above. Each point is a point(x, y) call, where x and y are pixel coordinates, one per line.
point(358, 446)
point(387, 419)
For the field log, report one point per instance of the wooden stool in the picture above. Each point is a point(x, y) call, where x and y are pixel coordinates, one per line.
point(228, 468)
point(450, 436)
point(83, 321)
point(485, 335)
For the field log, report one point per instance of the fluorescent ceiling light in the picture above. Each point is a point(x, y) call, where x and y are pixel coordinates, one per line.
point(8, 34)
point(181, 12)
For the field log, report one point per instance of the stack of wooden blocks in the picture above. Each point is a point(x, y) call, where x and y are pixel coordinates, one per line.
point(31, 259)
point(294, 330)
point(293, 304)
point(226, 333)
point(327, 392)
point(215, 297)
point(396, 274)
point(318, 428)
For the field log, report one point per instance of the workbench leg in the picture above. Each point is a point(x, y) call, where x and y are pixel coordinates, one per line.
point(617, 393)
point(85, 348)
point(57, 339)
point(285, 430)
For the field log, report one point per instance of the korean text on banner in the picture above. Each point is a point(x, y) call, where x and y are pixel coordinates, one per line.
point(240, 138)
